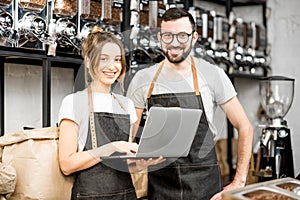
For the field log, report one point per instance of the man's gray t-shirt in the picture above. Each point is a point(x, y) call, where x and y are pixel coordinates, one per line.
point(214, 85)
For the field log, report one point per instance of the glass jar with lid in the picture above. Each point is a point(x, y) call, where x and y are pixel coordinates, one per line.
point(33, 5)
point(5, 3)
point(65, 8)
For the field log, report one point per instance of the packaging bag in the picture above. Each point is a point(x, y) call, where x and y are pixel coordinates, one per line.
point(7, 180)
point(34, 155)
point(140, 182)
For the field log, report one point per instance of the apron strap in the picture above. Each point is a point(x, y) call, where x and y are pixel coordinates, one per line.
point(161, 64)
point(195, 78)
point(92, 120)
point(119, 102)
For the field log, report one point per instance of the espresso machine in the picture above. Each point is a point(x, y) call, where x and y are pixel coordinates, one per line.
point(275, 156)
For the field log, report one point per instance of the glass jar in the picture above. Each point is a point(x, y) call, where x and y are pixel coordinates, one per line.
point(204, 26)
point(5, 3)
point(33, 5)
point(92, 12)
point(161, 10)
point(106, 10)
point(111, 12)
point(261, 39)
point(65, 8)
point(210, 24)
point(144, 15)
point(117, 12)
point(222, 30)
point(240, 32)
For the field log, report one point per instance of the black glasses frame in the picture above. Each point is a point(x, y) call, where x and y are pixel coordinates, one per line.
point(188, 34)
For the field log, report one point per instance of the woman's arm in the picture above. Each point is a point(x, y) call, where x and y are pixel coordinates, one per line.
point(71, 161)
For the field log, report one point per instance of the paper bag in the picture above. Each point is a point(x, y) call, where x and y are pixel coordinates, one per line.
point(34, 155)
point(140, 182)
point(7, 179)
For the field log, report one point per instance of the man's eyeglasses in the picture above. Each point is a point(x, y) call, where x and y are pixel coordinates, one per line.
point(181, 37)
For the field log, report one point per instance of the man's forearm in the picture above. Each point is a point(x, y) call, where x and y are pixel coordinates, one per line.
point(245, 141)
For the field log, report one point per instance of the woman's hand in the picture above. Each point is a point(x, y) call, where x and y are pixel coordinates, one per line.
point(124, 147)
point(112, 147)
point(138, 165)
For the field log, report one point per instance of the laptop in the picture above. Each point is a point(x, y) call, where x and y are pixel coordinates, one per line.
point(168, 132)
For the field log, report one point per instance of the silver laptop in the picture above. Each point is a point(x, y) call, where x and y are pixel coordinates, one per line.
point(168, 132)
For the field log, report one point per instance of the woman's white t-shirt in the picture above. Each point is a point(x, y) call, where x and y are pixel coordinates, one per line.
point(75, 107)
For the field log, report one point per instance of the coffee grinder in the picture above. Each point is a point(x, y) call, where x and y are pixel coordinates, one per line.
point(275, 156)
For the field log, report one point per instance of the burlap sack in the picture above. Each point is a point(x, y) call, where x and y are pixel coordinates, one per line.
point(34, 155)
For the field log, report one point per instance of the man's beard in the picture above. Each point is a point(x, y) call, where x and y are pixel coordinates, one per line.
point(184, 55)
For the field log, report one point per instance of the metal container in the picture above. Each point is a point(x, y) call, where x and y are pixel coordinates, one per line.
point(66, 32)
point(64, 27)
point(283, 189)
point(6, 26)
point(32, 28)
point(8, 35)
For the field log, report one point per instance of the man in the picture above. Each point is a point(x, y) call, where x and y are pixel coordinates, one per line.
point(182, 80)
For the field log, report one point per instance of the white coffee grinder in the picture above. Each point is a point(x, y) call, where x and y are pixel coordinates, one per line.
point(275, 156)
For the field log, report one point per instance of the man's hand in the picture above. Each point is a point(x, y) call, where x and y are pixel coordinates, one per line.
point(231, 186)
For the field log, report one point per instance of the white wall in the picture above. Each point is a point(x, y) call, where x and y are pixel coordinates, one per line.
point(283, 35)
point(23, 95)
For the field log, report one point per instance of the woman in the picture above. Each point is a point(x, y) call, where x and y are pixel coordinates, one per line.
point(95, 123)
